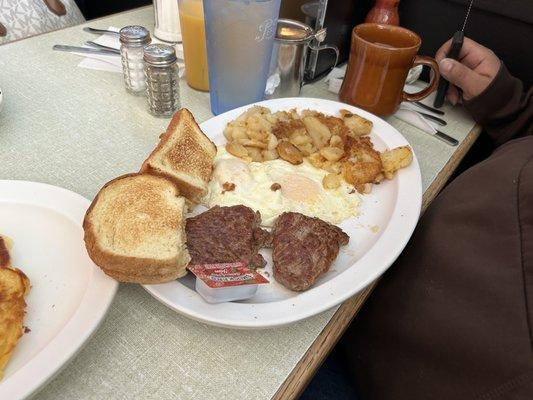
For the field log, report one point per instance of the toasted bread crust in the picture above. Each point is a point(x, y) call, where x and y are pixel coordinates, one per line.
point(126, 268)
point(191, 192)
point(175, 121)
point(145, 279)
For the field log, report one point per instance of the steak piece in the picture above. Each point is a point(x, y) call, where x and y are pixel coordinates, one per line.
point(227, 234)
point(304, 249)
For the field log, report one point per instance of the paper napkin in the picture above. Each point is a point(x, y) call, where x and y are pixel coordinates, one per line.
point(112, 63)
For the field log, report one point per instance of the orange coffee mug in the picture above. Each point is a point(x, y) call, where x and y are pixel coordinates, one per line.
point(380, 58)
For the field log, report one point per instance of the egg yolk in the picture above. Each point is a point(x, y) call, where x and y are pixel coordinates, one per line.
point(300, 188)
point(233, 171)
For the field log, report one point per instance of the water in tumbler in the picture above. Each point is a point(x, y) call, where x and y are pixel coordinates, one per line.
point(239, 36)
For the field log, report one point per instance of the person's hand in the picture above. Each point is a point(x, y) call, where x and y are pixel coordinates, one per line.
point(468, 77)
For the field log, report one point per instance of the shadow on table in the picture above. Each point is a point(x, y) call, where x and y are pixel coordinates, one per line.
point(332, 381)
point(98, 8)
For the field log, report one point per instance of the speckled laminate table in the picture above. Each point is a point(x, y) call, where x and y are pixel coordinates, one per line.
point(78, 128)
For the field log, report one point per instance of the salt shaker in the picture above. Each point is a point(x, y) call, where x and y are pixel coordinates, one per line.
point(132, 40)
point(162, 79)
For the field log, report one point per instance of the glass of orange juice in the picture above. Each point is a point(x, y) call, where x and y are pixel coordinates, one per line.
point(194, 46)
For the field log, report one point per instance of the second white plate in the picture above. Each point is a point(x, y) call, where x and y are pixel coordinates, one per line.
point(69, 295)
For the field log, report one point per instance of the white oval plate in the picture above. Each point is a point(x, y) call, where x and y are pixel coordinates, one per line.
point(377, 236)
point(69, 295)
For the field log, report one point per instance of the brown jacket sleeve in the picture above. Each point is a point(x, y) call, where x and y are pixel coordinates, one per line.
point(504, 109)
point(453, 317)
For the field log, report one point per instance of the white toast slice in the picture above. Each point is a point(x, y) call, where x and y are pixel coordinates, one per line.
point(184, 154)
point(135, 229)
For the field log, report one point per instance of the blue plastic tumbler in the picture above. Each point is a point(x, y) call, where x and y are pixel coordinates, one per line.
point(239, 35)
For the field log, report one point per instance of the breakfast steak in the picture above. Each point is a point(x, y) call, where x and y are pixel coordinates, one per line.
point(227, 234)
point(303, 249)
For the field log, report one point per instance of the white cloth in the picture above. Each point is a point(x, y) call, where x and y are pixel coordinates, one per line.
point(415, 119)
point(25, 18)
point(112, 63)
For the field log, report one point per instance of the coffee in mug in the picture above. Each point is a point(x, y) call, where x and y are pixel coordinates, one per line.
point(380, 58)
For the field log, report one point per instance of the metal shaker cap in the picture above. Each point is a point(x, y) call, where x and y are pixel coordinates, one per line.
point(159, 55)
point(134, 36)
point(291, 31)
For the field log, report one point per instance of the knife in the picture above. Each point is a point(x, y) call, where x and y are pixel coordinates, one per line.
point(446, 138)
point(76, 49)
point(101, 46)
point(433, 110)
point(455, 49)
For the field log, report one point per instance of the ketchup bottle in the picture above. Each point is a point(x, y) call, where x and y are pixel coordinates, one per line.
point(384, 12)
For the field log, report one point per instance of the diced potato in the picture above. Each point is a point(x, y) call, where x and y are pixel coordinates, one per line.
point(361, 172)
point(298, 138)
point(228, 133)
point(334, 167)
point(336, 141)
point(239, 133)
point(252, 143)
point(316, 160)
point(271, 118)
point(310, 113)
point(289, 152)
point(258, 123)
point(318, 131)
point(306, 149)
point(272, 142)
point(255, 154)
point(257, 110)
point(238, 150)
point(332, 153)
point(357, 125)
point(331, 181)
point(335, 125)
point(261, 135)
point(396, 159)
point(280, 116)
point(242, 117)
point(269, 154)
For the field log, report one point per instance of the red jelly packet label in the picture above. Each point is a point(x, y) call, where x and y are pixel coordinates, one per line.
point(226, 274)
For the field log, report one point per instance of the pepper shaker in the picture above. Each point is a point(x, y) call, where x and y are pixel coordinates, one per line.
point(162, 79)
point(132, 40)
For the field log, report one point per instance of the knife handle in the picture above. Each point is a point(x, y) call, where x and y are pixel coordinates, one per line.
point(455, 49)
point(446, 138)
